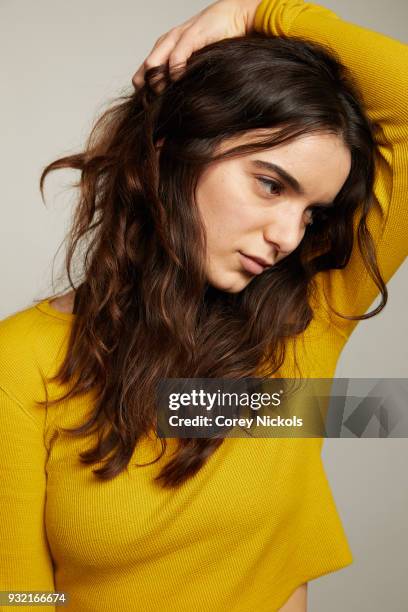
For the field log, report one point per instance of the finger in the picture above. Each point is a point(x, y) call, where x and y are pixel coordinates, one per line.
point(138, 77)
point(188, 42)
point(158, 55)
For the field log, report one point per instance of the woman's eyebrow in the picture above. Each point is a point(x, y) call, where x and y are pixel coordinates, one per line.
point(285, 176)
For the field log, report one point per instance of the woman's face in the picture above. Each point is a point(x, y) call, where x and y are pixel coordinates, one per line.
point(249, 208)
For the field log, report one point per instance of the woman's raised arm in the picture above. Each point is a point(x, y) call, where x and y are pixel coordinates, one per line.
point(379, 66)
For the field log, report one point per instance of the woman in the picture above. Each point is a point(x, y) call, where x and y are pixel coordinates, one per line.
point(261, 148)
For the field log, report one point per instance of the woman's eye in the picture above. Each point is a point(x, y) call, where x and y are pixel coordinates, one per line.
point(317, 213)
point(270, 183)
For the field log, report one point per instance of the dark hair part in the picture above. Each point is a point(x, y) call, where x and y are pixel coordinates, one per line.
point(145, 310)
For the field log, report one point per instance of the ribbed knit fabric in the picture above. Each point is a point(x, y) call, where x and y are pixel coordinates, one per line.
point(259, 519)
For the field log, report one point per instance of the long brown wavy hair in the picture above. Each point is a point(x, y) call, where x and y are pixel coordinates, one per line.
point(144, 309)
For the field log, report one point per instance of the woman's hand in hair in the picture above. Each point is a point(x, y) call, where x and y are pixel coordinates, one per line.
point(222, 19)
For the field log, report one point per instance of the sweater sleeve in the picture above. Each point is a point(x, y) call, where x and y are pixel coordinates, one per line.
point(379, 67)
point(25, 561)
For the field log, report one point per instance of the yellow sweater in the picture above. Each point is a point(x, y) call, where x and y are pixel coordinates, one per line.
point(259, 519)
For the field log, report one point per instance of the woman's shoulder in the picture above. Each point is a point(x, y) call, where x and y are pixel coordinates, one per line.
point(64, 303)
point(31, 343)
point(24, 324)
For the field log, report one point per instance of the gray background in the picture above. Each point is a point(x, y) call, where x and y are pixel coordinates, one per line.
point(62, 62)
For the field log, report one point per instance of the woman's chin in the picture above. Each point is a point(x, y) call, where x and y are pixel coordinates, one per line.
point(232, 282)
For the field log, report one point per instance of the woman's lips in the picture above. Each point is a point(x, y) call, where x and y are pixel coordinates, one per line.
point(250, 265)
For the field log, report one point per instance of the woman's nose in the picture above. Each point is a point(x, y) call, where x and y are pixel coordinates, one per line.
point(286, 231)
